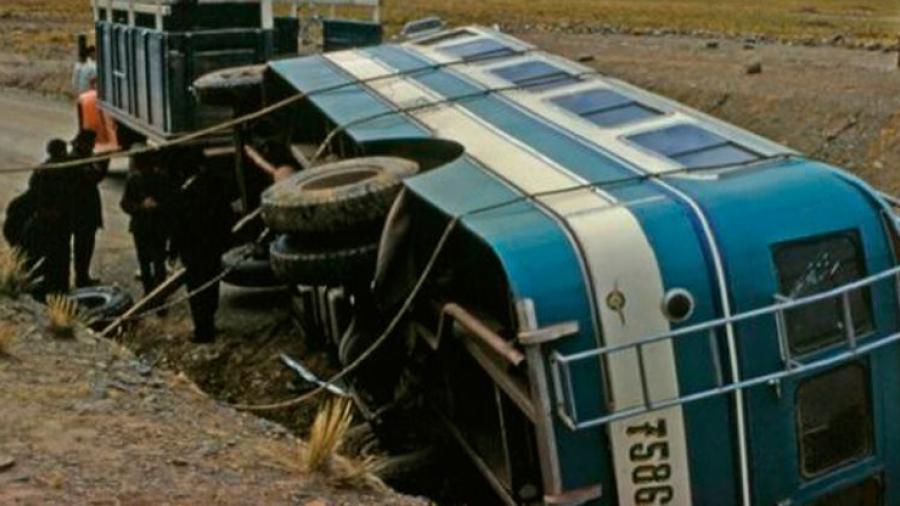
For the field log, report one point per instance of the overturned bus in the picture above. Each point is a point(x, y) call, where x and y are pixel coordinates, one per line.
point(617, 299)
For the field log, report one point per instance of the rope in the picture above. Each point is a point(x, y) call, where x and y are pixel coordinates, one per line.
point(410, 298)
point(407, 303)
point(536, 81)
point(199, 134)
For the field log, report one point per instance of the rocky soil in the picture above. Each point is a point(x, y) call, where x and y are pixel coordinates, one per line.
point(84, 421)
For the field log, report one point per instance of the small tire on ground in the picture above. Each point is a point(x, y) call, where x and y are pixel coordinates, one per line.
point(331, 267)
point(101, 304)
point(348, 197)
point(248, 267)
point(230, 86)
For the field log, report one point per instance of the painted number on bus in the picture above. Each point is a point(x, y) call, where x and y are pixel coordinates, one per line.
point(651, 470)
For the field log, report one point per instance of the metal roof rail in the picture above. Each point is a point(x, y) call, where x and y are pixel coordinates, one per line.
point(852, 345)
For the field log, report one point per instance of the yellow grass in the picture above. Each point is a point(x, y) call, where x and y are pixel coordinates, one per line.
point(63, 314)
point(7, 336)
point(320, 456)
point(44, 30)
point(855, 20)
point(14, 277)
point(327, 435)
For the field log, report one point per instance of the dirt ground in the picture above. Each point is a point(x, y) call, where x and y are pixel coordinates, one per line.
point(85, 421)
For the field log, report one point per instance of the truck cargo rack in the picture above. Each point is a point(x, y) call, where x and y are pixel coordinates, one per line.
point(853, 346)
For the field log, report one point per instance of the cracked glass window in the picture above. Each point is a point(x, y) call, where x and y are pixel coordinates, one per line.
point(818, 265)
point(834, 419)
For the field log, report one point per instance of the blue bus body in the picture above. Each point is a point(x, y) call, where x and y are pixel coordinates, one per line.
point(706, 317)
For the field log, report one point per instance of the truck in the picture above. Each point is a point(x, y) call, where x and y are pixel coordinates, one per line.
point(602, 296)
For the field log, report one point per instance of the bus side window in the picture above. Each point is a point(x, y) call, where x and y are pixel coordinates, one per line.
point(864, 493)
point(816, 265)
point(834, 419)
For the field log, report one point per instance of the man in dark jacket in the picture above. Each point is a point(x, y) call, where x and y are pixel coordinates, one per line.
point(87, 210)
point(50, 227)
point(148, 200)
point(201, 234)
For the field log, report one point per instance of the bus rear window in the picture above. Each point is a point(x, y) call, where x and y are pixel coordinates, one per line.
point(834, 419)
point(812, 266)
point(865, 493)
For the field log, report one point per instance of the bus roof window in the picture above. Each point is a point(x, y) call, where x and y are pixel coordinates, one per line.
point(536, 75)
point(479, 49)
point(605, 108)
point(445, 37)
point(694, 147)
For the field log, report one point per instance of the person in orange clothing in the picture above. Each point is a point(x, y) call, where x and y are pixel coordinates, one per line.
point(91, 117)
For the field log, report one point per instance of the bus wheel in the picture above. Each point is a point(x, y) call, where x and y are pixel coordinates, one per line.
point(295, 262)
point(231, 86)
point(248, 266)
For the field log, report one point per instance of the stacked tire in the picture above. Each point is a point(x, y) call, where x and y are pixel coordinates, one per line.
point(330, 218)
point(248, 266)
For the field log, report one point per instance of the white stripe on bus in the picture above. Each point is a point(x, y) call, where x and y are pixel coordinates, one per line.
point(638, 160)
point(611, 236)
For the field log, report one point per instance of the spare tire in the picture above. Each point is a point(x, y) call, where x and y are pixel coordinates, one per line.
point(101, 304)
point(330, 267)
point(248, 266)
point(352, 196)
point(231, 86)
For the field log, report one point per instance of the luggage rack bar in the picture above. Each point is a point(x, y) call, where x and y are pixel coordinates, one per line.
point(561, 364)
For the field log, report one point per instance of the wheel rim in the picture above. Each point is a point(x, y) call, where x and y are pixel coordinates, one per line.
point(91, 302)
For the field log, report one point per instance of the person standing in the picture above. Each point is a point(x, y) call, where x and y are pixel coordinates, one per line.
point(201, 234)
point(50, 227)
point(85, 71)
point(147, 199)
point(86, 207)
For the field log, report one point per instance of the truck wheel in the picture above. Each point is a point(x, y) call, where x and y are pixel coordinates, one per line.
point(323, 267)
point(348, 197)
point(101, 304)
point(248, 266)
point(230, 86)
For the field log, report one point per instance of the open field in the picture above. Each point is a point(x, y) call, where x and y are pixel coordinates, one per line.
point(37, 36)
point(867, 20)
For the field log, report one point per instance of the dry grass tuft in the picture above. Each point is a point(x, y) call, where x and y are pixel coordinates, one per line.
point(63, 314)
point(14, 276)
point(320, 456)
point(327, 435)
